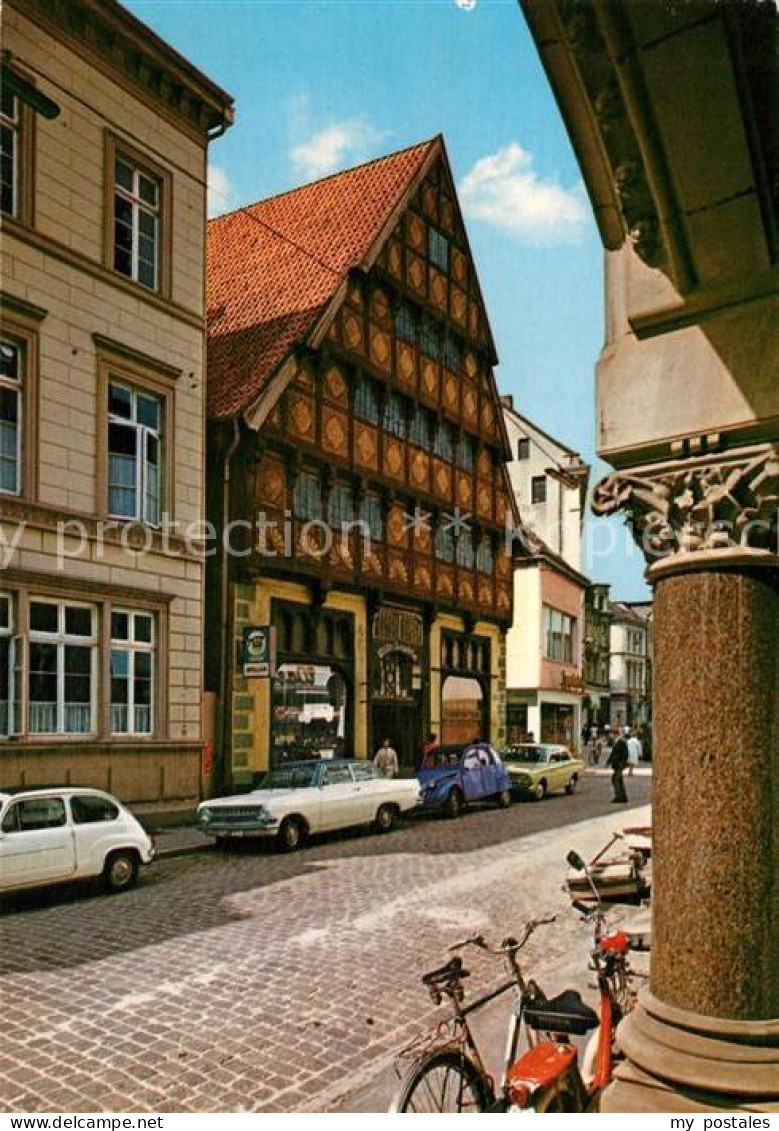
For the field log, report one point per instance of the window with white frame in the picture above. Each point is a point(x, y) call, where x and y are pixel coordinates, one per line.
point(61, 680)
point(137, 222)
point(135, 453)
point(6, 664)
point(10, 131)
point(132, 672)
point(11, 369)
point(559, 636)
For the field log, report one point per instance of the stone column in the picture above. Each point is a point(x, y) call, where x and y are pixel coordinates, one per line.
point(705, 1035)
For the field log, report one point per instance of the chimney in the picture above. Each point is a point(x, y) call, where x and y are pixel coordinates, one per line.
point(507, 400)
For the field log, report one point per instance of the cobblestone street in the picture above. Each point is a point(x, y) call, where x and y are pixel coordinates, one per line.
point(253, 981)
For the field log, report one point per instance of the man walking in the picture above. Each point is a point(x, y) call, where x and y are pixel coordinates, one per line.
point(618, 759)
point(386, 760)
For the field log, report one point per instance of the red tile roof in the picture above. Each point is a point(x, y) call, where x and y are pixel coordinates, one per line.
point(274, 266)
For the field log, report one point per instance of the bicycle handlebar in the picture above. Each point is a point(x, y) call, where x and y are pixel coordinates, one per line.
point(509, 945)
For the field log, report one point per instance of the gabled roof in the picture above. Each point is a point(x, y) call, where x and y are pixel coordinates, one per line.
point(275, 267)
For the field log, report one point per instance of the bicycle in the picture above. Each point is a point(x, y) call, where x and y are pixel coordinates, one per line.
point(449, 1075)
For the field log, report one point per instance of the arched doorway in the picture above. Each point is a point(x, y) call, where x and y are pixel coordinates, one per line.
point(396, 708)
point(463, 706)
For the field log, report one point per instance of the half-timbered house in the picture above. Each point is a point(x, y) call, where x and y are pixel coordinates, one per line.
point(356, 472)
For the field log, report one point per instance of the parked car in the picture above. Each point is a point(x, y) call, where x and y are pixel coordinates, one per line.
point(538, 768)
point(463, 774)
point(58, 833)
point(314, 796)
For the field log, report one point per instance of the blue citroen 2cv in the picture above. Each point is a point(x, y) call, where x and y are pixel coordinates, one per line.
point(463, 774)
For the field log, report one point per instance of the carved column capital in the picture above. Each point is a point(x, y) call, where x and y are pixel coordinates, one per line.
point(708, 506)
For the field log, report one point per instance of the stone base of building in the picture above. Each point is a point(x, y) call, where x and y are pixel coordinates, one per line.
point(138, 772)
point(679, 1061)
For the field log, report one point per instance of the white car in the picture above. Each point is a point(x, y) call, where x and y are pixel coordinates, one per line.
point(310, 797)
point(52, 835)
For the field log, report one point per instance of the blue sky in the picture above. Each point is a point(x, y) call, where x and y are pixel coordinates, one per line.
point(323, 84)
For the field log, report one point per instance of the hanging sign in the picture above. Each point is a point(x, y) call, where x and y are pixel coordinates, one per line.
point(258, 653)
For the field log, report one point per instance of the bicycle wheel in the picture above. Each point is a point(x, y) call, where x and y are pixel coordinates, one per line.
point(444, 1080)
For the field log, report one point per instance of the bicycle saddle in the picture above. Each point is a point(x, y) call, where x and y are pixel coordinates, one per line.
point(446, 975)
point(566, 1013)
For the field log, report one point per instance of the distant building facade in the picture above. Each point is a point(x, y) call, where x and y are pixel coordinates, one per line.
point(545, 655)
point(102, 397)
point(597, 656)
point(630, 696)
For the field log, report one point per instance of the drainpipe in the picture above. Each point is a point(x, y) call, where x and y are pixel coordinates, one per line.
point(225, 620)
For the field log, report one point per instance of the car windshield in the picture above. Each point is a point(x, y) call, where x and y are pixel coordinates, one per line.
point(298, 775)
point(535, 755)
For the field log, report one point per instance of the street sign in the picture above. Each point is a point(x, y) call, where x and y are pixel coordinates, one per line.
point(258, 654)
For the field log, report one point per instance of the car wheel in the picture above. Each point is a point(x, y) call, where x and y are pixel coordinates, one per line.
point(290, 834)
point(539, 791)
point(453, 806)
point(504, 798)
point(572, 784)
point(386, 817)
point(121, 871)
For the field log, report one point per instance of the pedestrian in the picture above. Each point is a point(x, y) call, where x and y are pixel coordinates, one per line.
point(429, 752)
point(386, 760)
point(634, 751)
point(618, 759)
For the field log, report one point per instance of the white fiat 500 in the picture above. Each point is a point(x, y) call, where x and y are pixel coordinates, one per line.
point(310, 797)
point(52, 835)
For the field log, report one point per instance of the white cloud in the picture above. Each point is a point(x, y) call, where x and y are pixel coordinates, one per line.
point(466, 5)
point(334, 147)
point(219, 191)
point(504, 190)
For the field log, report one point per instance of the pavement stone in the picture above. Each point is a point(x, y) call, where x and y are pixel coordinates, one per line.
point(252, 981)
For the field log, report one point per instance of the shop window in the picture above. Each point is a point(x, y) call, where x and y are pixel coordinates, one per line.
point(7, 649)
point(309, 712)
point(462, 710)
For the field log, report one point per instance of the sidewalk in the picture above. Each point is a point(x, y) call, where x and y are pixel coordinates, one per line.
point(180, 841)
point(374, 1089)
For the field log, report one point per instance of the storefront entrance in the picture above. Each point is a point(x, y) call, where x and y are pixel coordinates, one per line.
point(396, 683)
point(557, 724)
